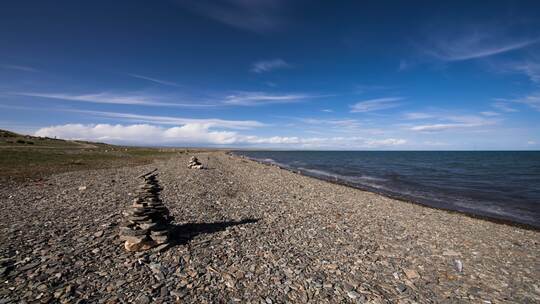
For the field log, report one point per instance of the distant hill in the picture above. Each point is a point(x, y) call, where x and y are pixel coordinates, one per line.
point(12, 139)
point(25, 157)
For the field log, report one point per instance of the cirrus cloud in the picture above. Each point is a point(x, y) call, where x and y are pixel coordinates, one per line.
point(269, 65)
point(244, 98)
point(455, 122)
point(375, 104)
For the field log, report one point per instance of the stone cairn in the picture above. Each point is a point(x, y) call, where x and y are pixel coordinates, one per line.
point(147, 222)
point(194, 163)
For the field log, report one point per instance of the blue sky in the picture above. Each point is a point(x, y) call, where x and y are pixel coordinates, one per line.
point(352, 75)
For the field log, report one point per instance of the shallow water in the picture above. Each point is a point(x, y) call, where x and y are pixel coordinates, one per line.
point(504, 185)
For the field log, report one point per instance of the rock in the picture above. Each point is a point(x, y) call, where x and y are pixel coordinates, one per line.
point(134, 238)
point(458, 265)
point(58, 293)
point(401, 287)
point(353, 294)
point(124, 231)
point(411, 274)
point(139, 246)
point(160, 239)
point(161, 247)
point(144, 299)
point(148, 219)
point(81, 188)
point(156, 268)
point(178, 294)
point(99, 233)
point(230, 282)
point(194, 163)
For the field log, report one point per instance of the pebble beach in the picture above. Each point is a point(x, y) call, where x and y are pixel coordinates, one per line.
point(245, 232)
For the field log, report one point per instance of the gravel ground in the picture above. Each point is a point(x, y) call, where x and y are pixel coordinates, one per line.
point(250, 233)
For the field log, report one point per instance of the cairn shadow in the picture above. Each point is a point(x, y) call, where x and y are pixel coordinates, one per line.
point(183, 234)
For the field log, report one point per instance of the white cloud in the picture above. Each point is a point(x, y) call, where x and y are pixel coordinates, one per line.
point(256, 16)
point(439, 127)
point(532, 101)
point(192, 133)
point(455, 122)
point(475, 44)
point(202, 134)
point(529, 68)
point(404, 65)
point(339, 142)
point(163, 82)
point(341, 123)
point(418, 115)
point(269, 65)
point(240, 98)
point(112, 98)
point(531, 142)
point(375, 104)
point(327, 110)
point(386, 142)
point(168, 120)
point(435, 143)
point(18, 68)
point(503, 106)
point(261, 98)
point(490, 113)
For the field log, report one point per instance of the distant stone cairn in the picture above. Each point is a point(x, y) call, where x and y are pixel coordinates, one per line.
point(147, 221)
point(194, 163)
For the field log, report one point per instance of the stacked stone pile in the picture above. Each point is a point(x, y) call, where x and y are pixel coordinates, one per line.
point(147, 221)
point(194, 163)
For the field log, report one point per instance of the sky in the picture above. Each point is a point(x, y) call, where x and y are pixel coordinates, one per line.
point(273, 74)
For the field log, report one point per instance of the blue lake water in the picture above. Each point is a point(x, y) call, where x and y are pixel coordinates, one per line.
point(503, 185)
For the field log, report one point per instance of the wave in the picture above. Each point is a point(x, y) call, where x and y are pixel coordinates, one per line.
point(358, 181)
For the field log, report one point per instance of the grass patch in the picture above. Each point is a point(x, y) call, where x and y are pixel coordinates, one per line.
point(24, 157)
point(33, 163)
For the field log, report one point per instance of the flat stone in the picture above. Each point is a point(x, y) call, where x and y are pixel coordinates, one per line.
point(161, 247)
point(139, 246)
point(411, 274)
point(138, 218)
point(150, 226)
point(159, 232)
point(140, 212)
point(401, 288)
point(133, 232)
point(144, 299)
point(353, 294)
point(160, 239)
point(458, 265)
point(133, 238)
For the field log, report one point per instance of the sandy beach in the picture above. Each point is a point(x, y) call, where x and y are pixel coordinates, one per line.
point(251, 233)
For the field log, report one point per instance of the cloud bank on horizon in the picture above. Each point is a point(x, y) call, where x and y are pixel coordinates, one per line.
point(253, 74)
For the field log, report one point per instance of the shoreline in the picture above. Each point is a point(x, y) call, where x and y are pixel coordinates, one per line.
point(341, 182)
